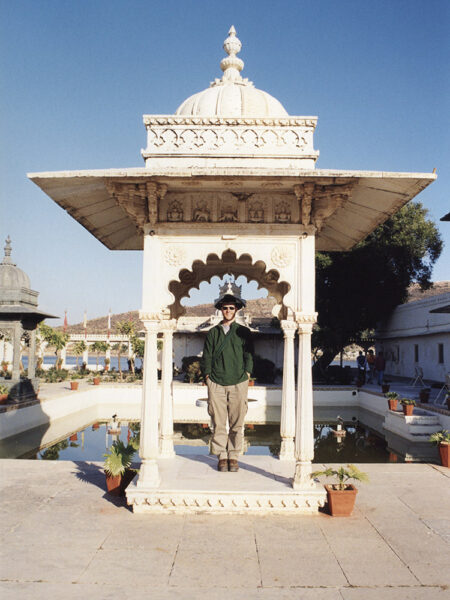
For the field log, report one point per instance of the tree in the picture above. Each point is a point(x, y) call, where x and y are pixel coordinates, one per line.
point(99, 347)
point(125, 328)
point(357, 289)
point(55, 338)
point(78, 349)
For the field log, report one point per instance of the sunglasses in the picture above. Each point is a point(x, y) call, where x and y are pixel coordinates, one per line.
point(228, 308)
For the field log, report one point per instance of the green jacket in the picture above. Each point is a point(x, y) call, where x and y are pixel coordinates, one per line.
point(236, 360)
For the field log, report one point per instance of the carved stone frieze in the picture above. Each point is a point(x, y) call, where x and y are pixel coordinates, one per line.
point(201, 212)
point(283, 212)
point(256, 211)
point(190, 135)
point(140, 201)
point(175, 212)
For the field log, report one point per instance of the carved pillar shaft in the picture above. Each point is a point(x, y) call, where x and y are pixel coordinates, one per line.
point(32, 355)
point(85, 358)
point(287, 423)
point(148, 450)
point(16, 352)
point(304, 430)
point(63, 358)
point(166, 418)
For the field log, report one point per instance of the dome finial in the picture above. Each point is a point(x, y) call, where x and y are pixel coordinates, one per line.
point(232, 65)
point(7, 258)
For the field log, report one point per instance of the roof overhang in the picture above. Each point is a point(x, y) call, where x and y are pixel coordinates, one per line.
point(92, 199)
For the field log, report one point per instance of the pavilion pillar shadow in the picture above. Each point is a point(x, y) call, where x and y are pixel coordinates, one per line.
point(287, 423)
point(166, 415)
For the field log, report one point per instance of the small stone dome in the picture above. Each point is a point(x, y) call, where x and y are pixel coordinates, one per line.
point(232, 96)
point(11, 277)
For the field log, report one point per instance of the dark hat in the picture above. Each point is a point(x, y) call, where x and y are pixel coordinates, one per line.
point(240, 302)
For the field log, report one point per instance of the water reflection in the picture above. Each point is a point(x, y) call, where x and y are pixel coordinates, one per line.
point(359, 444)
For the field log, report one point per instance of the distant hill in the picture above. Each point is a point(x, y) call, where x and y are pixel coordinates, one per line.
point(261, 307)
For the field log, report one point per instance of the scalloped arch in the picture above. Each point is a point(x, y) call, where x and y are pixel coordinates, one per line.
point(228, 263)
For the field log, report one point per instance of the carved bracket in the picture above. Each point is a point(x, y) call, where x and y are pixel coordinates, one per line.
point(140, 201)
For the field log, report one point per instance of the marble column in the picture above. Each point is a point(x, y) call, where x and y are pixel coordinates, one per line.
point(166, 415)
point(85, 358)
point(304, 429)
point(287, 423)
point(15, 375)
point(32, 355)
point(149, 446)
point(63, 358)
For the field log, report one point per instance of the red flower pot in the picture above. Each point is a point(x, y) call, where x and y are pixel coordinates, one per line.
point(74, 385)
point(96, 380)
point(408, 409)
point(95, 426)
point(251, 383)
point(444, 453)
point(3, 398)
point(392, 402)
point(73, 437)
point(341, 502)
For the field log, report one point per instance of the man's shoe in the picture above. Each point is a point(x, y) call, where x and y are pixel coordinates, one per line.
point(233, 465)
point(222, 465)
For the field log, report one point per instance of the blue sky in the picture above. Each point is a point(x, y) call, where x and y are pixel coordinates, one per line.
point(77, 75)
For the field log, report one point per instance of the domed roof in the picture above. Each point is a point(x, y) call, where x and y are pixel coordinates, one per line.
point(11, 277)
point(232, 96)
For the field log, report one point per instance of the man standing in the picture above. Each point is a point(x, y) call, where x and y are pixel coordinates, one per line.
point(380, 366)
point(228, 364)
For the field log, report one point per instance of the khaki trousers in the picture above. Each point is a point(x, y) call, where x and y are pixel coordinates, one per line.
point(227, 402)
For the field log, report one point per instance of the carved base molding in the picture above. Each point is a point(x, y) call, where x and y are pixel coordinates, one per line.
point(167, 501)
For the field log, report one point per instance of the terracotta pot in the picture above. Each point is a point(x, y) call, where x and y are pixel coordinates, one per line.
point(95, 426)
point(73, 437)
point(341, 502)
point(5, 368)
point(106, 368)
point(385, 388)
point(113, 484)
point(3, 398)
point(408, 409)
point(251, 383)
point(96, 380)
point(74, 385)
point(392, 403)
point(444, 453)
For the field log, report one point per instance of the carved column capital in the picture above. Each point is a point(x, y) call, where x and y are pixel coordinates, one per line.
point(289, 328)
point(304, 193)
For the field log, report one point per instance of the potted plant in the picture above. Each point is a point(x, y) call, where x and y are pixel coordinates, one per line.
point(342, 495)
point(392, 398)
point(107, 363)
point(251, 381)
point(408, 406)
point(73, 382)
point(96, 379)
point(442, 439)
point(4, 392)
point(5, 365)
point(424, 394)
point(117, 461)
point(385, 386)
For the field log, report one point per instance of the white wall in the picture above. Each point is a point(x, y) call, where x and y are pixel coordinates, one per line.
point(413, 324)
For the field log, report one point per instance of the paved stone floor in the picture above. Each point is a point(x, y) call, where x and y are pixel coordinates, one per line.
point(63, 537)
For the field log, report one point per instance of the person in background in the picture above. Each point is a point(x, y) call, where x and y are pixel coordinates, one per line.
point(371, 365)
point(380, 366)
point(361, 363)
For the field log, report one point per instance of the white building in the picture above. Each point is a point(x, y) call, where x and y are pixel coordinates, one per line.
point(417, 334)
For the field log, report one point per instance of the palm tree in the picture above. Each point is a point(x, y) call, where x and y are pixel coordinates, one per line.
point(125, 328)
point(78, 350)
point(99, 348)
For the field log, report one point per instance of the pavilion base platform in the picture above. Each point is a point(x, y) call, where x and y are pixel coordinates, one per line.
point(192, 484)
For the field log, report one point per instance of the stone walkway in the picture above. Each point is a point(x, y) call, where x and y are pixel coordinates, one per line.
point(63, 537)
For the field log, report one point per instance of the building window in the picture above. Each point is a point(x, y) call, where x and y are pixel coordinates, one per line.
point(441, 354)
point(416, 353)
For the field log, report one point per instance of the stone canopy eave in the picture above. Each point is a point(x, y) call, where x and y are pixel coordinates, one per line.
point(89, 196)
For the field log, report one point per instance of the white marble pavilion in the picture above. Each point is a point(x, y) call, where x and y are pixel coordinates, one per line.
point(229, 186)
